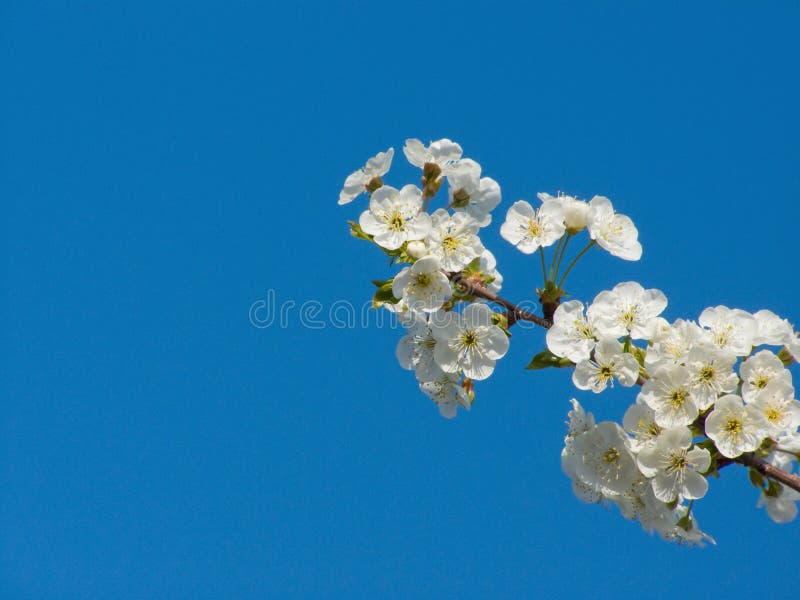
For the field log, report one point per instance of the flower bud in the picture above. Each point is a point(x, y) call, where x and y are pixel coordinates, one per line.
point(575, 213)
point(416, 249)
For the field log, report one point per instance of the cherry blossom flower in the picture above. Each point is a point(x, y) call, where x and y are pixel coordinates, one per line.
point(367, 178)
point(394, 216)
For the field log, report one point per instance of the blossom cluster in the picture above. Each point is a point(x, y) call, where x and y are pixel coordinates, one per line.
point(447, 349)
point(712, 392)
point(709, 394)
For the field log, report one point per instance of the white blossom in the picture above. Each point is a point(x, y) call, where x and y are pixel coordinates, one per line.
point(572, 334)
point(488, 266)
point(609, 361)
point(626, 310)
point(601, 458)
point(394, 216)
point(367, 177)
point(781, 508)
point(444, 153)
point(453, 239)
point(674, 468)
point(469, 192)
point(578, 420)
point(469, 342)
point(733, 428)
point(672, 345)
point(793, 346)
point(733, 330)
point(759, 370)
point(614, 233)
point(771, 329)
point(416, 249)
point(667, 393)
point(710, 374)
point(530, 229)
point(415, 350)
point(575, 211)
point(447, 393)
point(639, 502)
point(640, 422)
point(422, 286)
point(693, 536)
point(776, 405)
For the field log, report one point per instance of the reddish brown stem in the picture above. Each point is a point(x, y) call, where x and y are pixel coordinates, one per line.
point(476, 289)
point(767, 470)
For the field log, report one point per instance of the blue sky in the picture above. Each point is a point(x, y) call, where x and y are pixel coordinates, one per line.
point(164, 164)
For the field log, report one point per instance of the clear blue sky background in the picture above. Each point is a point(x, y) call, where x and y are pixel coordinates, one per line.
point(164, 164)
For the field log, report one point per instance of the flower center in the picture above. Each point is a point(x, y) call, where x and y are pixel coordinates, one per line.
point(653, 429)
point(423, 279)
point(761, 381)
point(774, 415)
point(611, 455)
point(628, 317)
point(584, 330)
point(677, 399)
point(707, 373)
point(723, 337)
point(606, 373)
point(733, 427)
point(534, 228)
point(450, 243)
point(469, 339)
point(677, 462)
point(396, 222)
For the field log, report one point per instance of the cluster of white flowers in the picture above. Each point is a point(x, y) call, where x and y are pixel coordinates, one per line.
point(647, 473)
point(530, 229)
point(447, 349)
point(710, 393)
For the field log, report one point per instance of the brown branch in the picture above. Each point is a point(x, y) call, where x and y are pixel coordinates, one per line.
point(767, 470)
point(514, 313)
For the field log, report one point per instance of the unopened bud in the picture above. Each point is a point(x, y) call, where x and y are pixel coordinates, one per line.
point(416, 249)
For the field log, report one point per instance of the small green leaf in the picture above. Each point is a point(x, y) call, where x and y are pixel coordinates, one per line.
point(501, 321)
point(474, 266)
point(786, 357)
point(639, 354)
point(685, 523)
point(547, 359)
point(756, 478)
point(357, 232)
point(774, 489)
point(383, 295)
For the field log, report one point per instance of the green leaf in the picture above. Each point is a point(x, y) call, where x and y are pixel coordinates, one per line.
point(773, 490)
point(474, 266)
point(685, 523)
point(383, 295)
point(547, 359)
point(756, 478)
point(357, 232)
point(639, 354)
point(501, 321)
point(786, 357)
